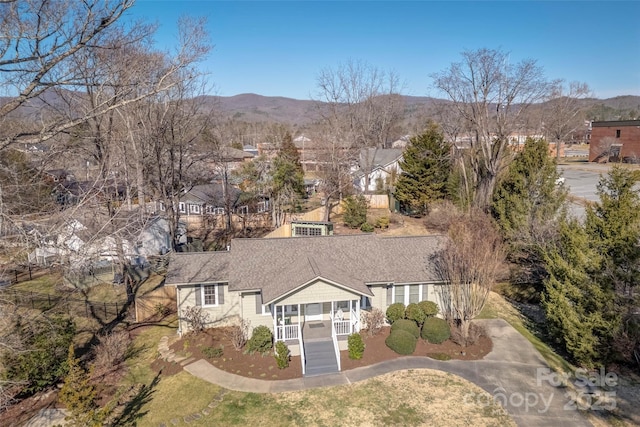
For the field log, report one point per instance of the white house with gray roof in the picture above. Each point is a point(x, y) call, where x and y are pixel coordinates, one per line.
point(308, 288)
point(380, 166)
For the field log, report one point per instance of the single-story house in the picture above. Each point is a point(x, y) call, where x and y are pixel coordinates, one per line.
point(308, 288)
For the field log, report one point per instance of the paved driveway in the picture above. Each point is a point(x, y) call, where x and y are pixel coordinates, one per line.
point(514, 373)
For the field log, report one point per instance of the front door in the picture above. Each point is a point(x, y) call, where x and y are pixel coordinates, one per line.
point(313, 312)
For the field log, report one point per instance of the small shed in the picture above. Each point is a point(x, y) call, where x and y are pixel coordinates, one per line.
point(301, 228)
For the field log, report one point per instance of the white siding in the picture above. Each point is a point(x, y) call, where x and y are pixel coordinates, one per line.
point(221, 315)
point(249, 313)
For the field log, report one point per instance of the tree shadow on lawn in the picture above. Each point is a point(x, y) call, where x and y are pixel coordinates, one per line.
point(132, 406)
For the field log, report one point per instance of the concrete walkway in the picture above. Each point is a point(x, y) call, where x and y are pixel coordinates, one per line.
point(514, 373)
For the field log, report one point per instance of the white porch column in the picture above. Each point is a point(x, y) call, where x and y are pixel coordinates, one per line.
point(275, 323)
point(299, 327)
point(358, 315)
point(282, 317)
point(350, 319)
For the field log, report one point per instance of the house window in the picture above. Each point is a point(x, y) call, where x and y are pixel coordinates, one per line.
point(307, 231)
point(399, 294)
point(209, 295)
point(214, 211)
point(263, 206)
point(162, 206)
point(407, 294)
point(266, 309)
point(414, 294)
point(243, 210)
point(343, 305)
point(291, 309)
point(194, 208)
point(617, 133)
point(182, 207)
point(365, 302)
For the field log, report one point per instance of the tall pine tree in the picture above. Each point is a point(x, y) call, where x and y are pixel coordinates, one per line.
point(578, 309)
point(426, 167)
point(527, 205)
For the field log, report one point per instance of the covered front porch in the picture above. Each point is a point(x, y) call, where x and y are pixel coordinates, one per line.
point(316, 320)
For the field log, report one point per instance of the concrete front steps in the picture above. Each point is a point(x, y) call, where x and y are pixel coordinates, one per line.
point(320, 356)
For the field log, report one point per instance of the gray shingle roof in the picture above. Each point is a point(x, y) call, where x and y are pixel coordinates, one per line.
point(198, 267)
point(279, 266)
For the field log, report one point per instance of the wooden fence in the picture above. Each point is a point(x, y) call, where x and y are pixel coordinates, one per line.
point(158, 301)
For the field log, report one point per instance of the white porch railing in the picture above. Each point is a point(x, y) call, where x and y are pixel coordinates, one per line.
point(302, 356)
point(334, 338)
point(345, 327)
point(342, 327)
point(288, 332)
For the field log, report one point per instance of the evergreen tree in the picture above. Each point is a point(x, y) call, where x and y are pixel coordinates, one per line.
point(528, 193)
point(527, 205)
point(355, 211)
point(579, 311)
point(614, 227)
point(287, 180)
point(426, 167)
point(79, 395)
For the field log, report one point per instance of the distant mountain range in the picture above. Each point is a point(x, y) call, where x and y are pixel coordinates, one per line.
point(252, 107)
point(249, 107)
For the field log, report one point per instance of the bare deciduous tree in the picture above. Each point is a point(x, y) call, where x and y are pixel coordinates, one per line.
point(361, 107)
point(562, 114)
point(468, 265)
point(51, 44)
point(491, 95)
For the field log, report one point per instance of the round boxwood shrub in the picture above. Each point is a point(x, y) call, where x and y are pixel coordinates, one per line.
point(406, 325)
point(414, 312)
point(402, 342)
point(395, 312)
point(261, 340)
point(436, 330)
point(429, 308)
point(355, 346)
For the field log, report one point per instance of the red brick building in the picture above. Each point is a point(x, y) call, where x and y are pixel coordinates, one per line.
point(615, 141)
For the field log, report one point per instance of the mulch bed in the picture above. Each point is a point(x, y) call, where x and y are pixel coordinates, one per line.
point(265, 367)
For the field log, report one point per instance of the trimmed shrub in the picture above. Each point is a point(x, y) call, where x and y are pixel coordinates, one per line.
point(402, 342)
point(414, 312)
point(395, 312)
point(213, 352)
point(406, 325)
point(355, 346)
point(261, 340)
point(282, 355)
point(429, 308)
point(436, 330)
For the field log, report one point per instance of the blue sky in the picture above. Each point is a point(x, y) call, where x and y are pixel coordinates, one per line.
point(278, 48)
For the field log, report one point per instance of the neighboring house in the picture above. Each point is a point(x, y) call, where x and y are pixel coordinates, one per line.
point(81, 242)
point(615, 141)
point(381, 165)
point(207, 203)
point(307, 287)
point(71, 192)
